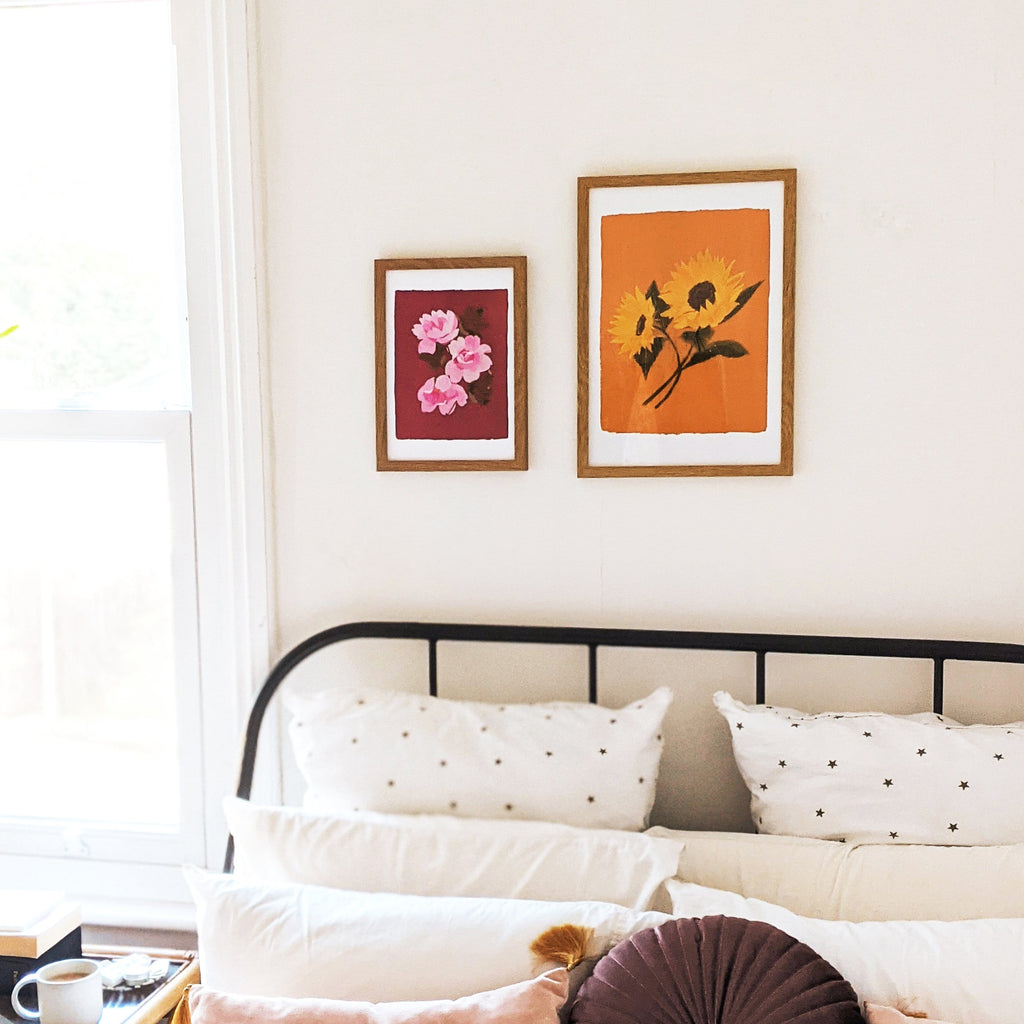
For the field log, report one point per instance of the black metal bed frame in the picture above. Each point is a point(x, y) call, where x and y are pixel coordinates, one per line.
point(938, 652)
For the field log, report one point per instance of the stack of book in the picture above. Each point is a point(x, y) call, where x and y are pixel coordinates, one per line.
point(36, 928)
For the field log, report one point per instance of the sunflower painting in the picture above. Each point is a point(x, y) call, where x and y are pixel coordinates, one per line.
point(684, 304)
point(686, 324)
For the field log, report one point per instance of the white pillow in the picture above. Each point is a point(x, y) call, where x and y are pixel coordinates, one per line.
point(872, 882)
point(431, 855)
point(966, 971)
point(379, 750)
point(304, 940)
point(868, 777)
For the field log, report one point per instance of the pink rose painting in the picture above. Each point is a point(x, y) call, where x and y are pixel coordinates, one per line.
point(442, 394)
point(438, 327)
point(451, 364)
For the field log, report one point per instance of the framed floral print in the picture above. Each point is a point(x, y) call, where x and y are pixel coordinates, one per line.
point(451, 363)
point(686, 324)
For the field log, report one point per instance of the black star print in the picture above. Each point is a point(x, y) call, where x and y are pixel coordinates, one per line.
point(998, 757)
point(641, 780)
point(483, 728)
point(832, 764)
point(658, 737)
point(549, 753)
point(405, 735)
point(355, 739)
point(782, 764)
point(867, 734)
point(739, 725)
point(590, 799)
point(360, 701)
point(508, 807)
point(603, 751)
point(612, 721)
point(391, 782)
point(547, 718)
point(894, 835)
point(794, 725)
point(887, 783)
point(921, 751)
point(953, 827)
point(820, 813)
point(964, 785)
point(763, 787)
point(502, 708)
point(497, 760)
point(444, 764)
point(453, 804)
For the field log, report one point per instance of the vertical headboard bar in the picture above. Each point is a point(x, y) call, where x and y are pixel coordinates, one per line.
point(592, 673)
point(937, 680)
point(432, 665)
point(759, 677)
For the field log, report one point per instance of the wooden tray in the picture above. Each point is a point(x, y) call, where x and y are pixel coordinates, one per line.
point(147, 1004)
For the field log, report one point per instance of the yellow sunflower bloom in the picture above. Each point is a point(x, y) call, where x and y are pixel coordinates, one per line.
point(701, 292)
point(631, 326)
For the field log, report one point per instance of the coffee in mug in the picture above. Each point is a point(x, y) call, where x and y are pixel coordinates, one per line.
point(70, 992)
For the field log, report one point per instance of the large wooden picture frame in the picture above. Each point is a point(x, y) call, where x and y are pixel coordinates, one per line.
point(686, 324)
point(451, 363)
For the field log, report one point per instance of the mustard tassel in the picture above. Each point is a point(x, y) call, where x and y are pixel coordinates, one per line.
point(564, 944)
point(182, 1012)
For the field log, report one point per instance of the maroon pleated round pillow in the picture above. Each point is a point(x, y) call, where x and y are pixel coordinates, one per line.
point(715, 970)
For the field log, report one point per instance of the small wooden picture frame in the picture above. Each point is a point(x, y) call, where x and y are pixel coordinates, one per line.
point(686, 324)
point(451, 363)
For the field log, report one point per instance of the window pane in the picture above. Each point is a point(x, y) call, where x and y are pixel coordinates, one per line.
point(87, 661)
point(90, 253)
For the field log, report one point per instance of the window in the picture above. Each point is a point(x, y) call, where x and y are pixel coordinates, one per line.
point(132, 593)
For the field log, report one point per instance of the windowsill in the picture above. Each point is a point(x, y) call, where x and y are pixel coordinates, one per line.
point(156, 915)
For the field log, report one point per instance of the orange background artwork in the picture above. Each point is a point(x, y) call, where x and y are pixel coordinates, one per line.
point(721, 395)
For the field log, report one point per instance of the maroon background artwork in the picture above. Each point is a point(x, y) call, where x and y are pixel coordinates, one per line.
point(481, 312)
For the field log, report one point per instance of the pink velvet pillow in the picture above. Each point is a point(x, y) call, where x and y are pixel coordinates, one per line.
point(536, 1001)
point(890, 1015)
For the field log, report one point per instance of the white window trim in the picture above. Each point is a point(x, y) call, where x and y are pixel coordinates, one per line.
point(224, 298)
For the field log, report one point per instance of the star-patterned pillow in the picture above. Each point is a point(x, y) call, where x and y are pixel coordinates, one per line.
point(868, 777)
point(380, 750)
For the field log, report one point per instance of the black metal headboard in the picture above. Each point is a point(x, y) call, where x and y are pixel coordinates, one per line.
point(938, 652)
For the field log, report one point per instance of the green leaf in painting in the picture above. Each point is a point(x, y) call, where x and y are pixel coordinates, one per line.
point(646, 356)
point(437, 359)
point(473, 320)
point(10, 330)
point(479, 390)
point(652, 293)
point(742, 299)
point(728, 349)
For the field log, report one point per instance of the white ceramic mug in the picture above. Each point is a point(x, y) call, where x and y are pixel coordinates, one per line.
point(70, 992)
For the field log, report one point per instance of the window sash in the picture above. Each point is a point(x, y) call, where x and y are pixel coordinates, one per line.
point(171, 429)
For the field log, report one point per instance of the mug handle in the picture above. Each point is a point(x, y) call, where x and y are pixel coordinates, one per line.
point(28, 979)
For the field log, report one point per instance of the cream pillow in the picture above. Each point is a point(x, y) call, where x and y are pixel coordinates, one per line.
point(966, 971)
point(381, 750)
point(433, 855)
point(308, 941)
point(868, 777)
point(839, 881)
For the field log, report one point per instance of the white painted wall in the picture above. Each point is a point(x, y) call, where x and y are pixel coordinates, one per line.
point(400, 127)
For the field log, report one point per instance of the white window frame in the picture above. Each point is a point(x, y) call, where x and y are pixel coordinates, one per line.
point(133, 877)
